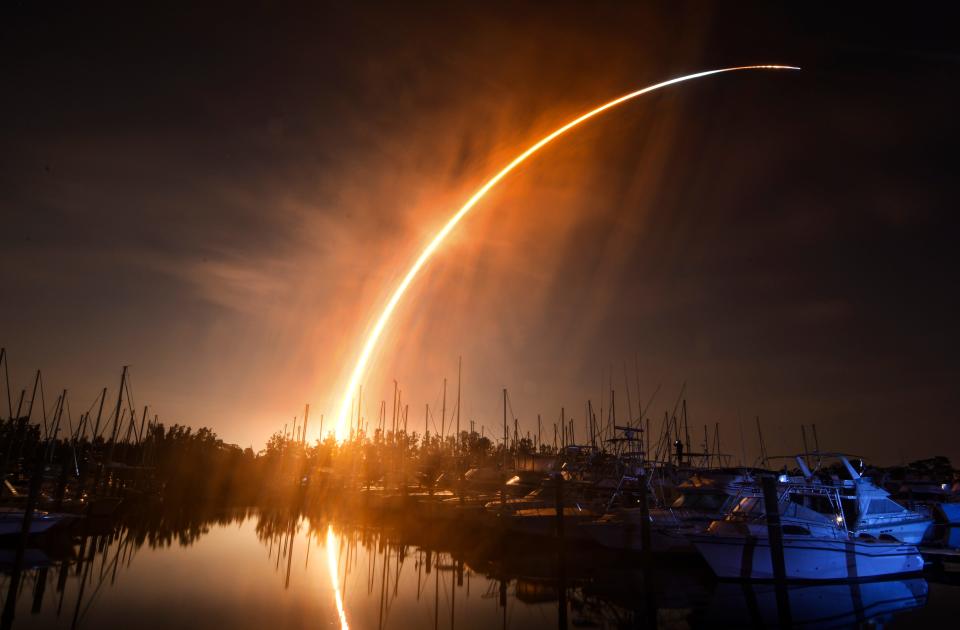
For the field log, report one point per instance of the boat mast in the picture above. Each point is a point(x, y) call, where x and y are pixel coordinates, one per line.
point(459, 374)
point(116, 413)
point(6, 364)
point(443, 412)
point(394, 413)
point(505, 436)
point(763, 448)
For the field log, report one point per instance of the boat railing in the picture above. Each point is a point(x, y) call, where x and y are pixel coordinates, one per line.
point(756, 512)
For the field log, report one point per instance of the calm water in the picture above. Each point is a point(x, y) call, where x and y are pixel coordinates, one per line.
point(248, 570)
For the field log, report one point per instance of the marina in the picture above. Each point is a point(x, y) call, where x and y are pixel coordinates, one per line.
point(623, 530)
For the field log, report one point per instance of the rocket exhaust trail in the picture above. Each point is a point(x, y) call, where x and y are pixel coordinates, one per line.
point(370, 344)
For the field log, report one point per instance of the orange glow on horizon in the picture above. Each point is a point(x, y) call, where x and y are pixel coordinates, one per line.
point(341, 426)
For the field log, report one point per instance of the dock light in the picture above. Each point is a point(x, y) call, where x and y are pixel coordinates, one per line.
point(783, 478)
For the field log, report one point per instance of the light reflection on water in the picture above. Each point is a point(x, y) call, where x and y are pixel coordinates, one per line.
point(253, 570)
point(332, 564)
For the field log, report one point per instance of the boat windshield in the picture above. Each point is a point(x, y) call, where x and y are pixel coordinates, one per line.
point(817, 502)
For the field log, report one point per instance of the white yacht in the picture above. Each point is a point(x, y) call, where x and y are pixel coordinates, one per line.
point(868, 508)
point(820, 541)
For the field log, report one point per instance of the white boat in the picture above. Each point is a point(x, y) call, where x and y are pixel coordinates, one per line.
point(817, 544)
point(934, 499)
point(705, 497)
point(868, 509)
point(807, 557)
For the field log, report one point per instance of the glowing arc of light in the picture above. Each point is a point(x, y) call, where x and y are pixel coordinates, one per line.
point(334, 578)
point(374, 335)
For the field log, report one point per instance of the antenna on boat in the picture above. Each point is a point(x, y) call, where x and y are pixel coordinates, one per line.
point(506, 437)
point(636, 366)
point(743, 448)
point(539, 429)
point(116, 414)
point(806, 451)
point(716, 440)
point(459, 375)
point(763, 448)
point(6, 364)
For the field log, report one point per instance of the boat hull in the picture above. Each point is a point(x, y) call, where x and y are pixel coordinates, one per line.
point(806, 558)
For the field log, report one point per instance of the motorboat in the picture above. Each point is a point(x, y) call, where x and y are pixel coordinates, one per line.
point(868, 509)
point(577, 493)
point(817, 541)
point(936, 500)
point(706, 496)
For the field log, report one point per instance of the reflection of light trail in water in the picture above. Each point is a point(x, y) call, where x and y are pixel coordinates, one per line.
point(334, 580)
point(374, 336)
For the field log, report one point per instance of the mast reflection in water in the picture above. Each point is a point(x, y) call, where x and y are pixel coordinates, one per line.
point(251, 569)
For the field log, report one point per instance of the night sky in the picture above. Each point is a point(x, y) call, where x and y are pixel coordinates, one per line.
point(224, 198)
